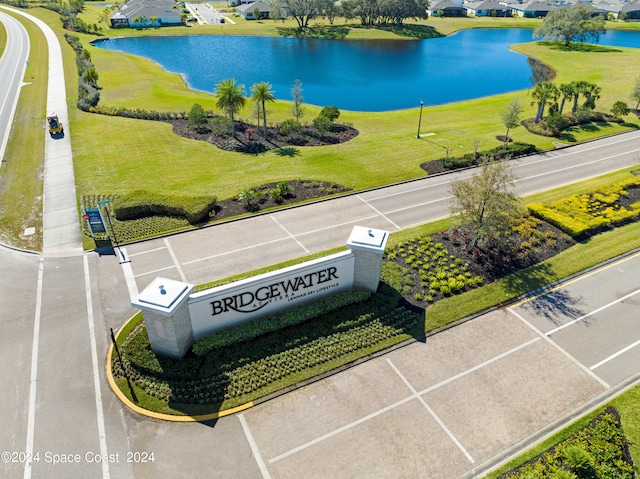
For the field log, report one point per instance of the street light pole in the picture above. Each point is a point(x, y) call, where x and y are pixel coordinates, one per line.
point(420, 120)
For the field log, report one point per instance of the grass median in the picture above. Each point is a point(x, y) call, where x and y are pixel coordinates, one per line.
point(22, 166)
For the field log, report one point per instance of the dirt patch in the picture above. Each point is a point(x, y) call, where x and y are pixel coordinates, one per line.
point(249, 138)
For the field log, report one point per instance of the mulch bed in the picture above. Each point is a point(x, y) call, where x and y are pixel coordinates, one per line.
point(302, 190)
point(249, 137)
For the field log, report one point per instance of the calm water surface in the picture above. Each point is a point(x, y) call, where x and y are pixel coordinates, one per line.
point(361, 75)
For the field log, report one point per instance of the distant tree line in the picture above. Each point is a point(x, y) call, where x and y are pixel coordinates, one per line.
point(369, 12)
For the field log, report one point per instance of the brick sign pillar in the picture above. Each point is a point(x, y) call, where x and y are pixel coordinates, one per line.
point(166, 314)
point(367, 245)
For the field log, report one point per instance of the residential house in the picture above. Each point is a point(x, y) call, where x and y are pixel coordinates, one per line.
point(532, 9)
point(622, 10)
point(446, 8)
point(488, 8)
point(147, 13)
point(247, 10)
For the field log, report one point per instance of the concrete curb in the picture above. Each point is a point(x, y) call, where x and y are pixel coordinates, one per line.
point(548, 431)
point(422, 338)
point(155, 415)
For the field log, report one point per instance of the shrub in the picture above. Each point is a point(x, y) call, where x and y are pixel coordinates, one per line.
point(141, 204)
point(277, 321)
point(289, 127)
point(322, 124)
point(330, 112)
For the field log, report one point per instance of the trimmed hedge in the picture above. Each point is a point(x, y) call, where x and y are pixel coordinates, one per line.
point(274, 322)
point(513, 150)
point(590, 213)
point(141, 204)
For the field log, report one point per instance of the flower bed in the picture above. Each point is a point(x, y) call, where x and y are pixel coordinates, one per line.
point(586, 214)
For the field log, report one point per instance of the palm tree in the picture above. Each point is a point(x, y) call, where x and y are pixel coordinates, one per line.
point(544, 93)
point(581, 87)
point(261, 93)
point(230, 97)
point(591, 94)
point(568, 91)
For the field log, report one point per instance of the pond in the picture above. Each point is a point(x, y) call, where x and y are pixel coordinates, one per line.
point(360, 75)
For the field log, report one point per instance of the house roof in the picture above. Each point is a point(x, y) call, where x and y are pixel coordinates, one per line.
point(485, 5)
point(148, 8)
point(534, 7)
point(443, 5)
point(249, 7)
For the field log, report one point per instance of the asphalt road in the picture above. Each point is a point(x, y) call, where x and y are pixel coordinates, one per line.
point(12, 69)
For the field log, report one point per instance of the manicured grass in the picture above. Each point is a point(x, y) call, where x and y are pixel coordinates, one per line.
point(22, 166)
point(386, 150)
point(627, 405)
point(3, 39)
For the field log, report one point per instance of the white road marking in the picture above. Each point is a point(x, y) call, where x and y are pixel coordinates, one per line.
point(254, 447)
point(341, 429)
point(615, 355)
point(31, 415)
point(289, 234)
point(379, 212)
point(258, 245)
point(431, 412)
point(147, 273)
point(398, 403)
point(146, 251)
point(175, 261)
point(592, 313)
point(479, 366)
point(129, 278)
point(563, 351)
point(102, 436)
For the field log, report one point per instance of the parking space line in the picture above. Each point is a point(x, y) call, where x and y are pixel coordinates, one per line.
point(379, 212)
point(575, 280)
point(601, 308)
point(175, 261)
point(153, 271)
point(341, 429)
point(439, 200)
point(431, 412)
point(254, 447)
point(234, 251)
point(401, 402)
point(615, 355)
point(289, 234)
point(338, 225)
point(146, 251)
point(479, 366)
point(562, 350)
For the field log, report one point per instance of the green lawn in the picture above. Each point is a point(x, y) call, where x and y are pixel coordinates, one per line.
point(386, 150)
point(22, 165)
point(3, 39)
point(114, 155)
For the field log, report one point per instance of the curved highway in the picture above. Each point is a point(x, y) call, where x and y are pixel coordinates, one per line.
point(12, 68)
point(388, 417)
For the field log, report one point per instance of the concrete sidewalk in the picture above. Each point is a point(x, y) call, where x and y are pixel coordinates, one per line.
point(61, 225)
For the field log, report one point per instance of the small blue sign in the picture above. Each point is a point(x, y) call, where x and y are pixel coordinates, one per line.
point(94, 218)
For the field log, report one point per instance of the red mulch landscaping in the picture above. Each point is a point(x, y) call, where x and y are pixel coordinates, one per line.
point(249, 138)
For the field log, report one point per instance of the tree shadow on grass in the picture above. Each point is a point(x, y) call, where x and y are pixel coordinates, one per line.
point(579, 47)
point(289, 151)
